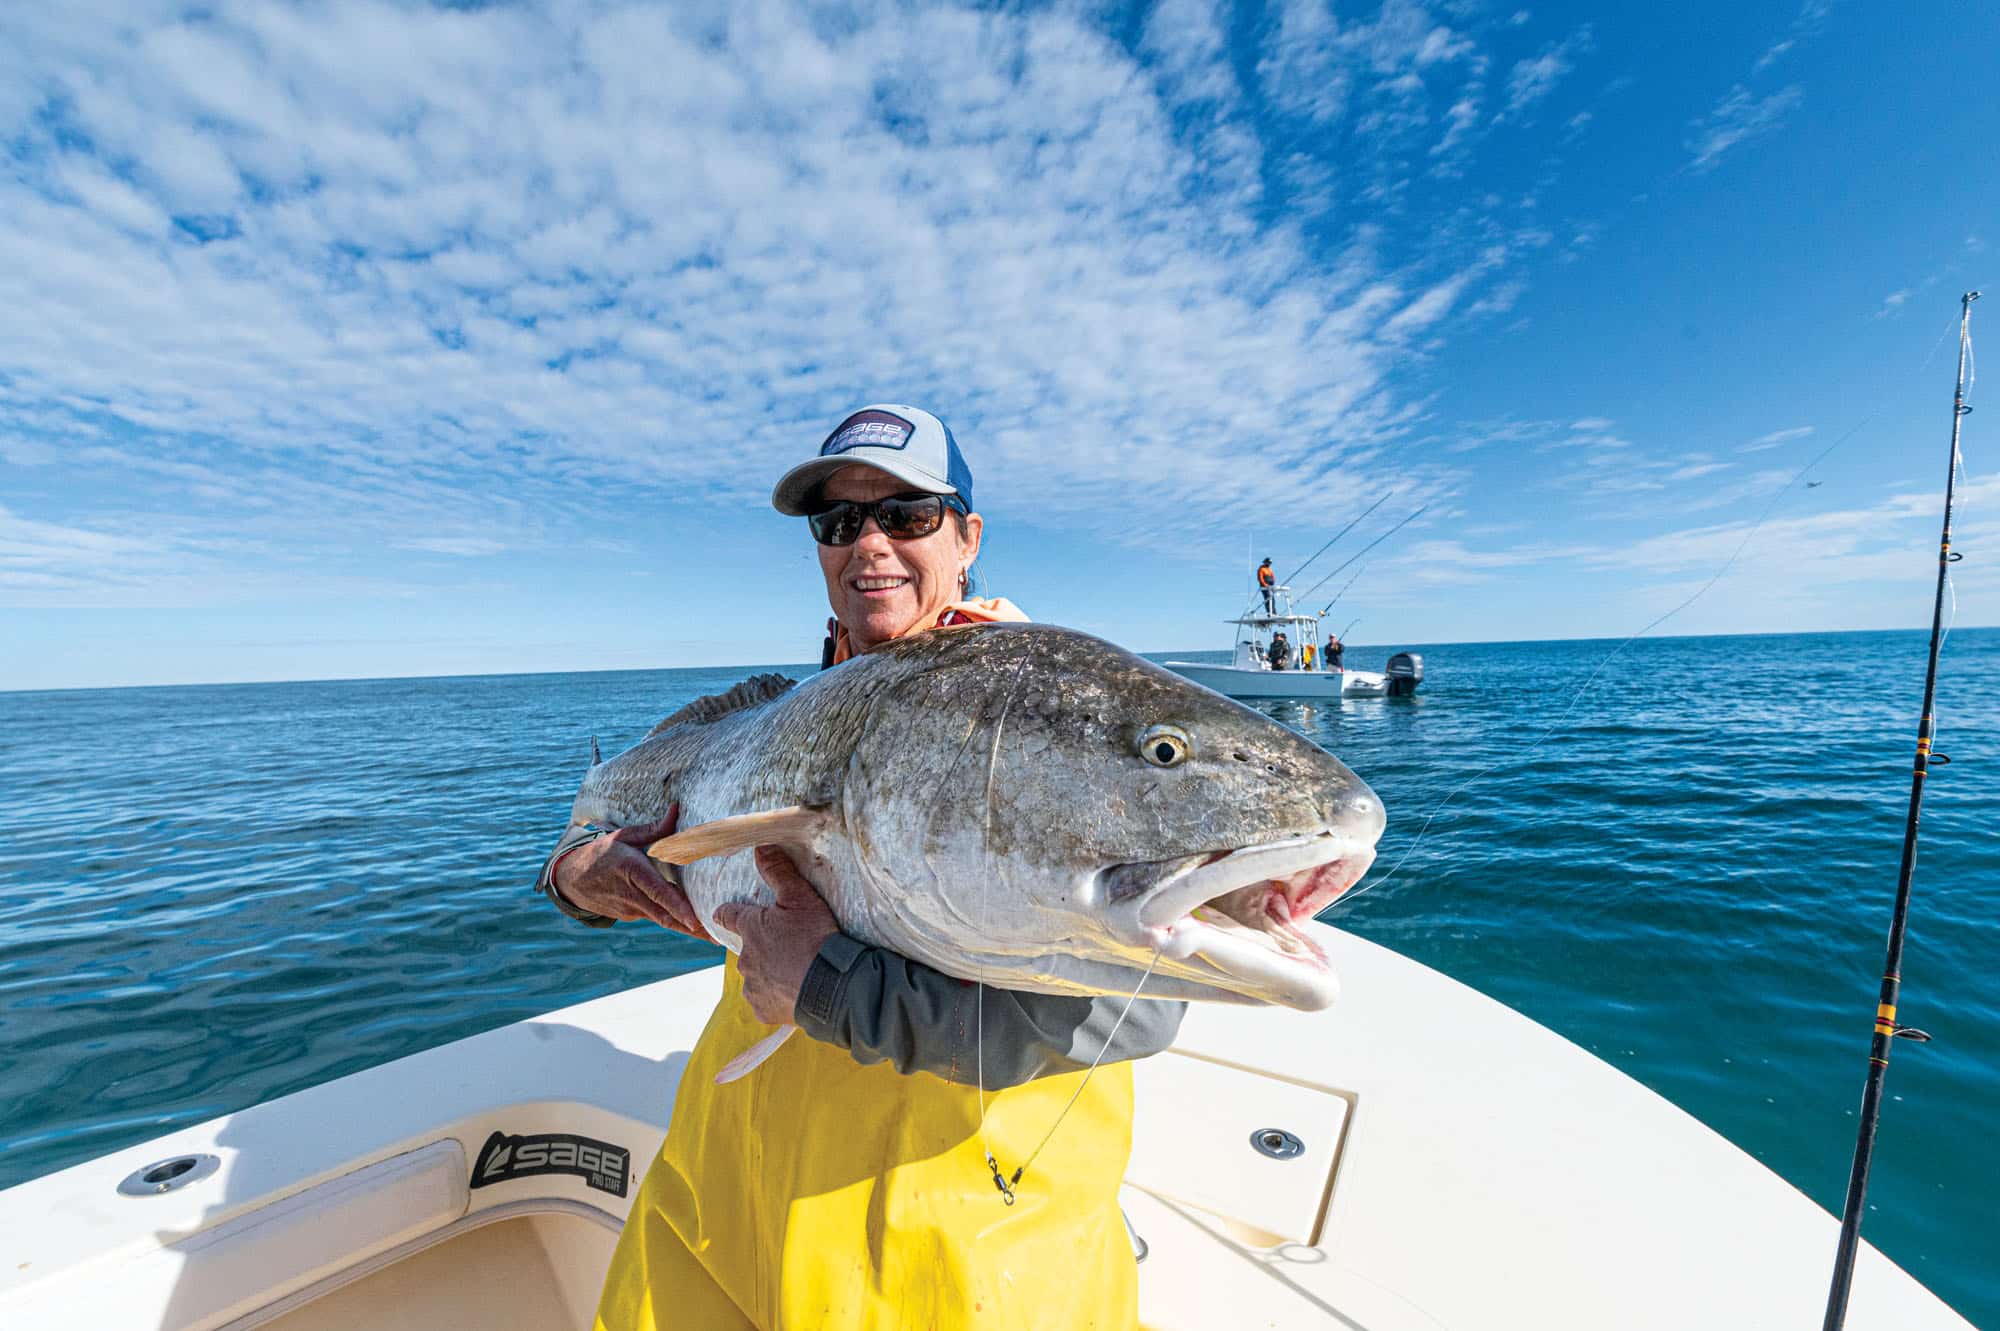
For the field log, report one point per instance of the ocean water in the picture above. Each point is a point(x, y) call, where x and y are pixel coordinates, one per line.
point(212, 896)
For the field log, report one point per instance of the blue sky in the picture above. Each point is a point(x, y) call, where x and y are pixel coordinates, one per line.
point(376, 339)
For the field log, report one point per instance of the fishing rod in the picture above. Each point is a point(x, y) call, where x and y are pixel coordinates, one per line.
point(1342, 635)
point(1336, 536)
point(1362, 551)
point(1886, 1027)
point(1342, 592)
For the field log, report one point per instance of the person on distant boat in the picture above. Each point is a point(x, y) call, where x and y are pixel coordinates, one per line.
point(1334, 652)
point(1266, 580)
point(847, 1186)
point(1281, 651)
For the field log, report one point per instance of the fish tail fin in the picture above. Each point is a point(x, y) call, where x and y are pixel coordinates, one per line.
point(742, 1065)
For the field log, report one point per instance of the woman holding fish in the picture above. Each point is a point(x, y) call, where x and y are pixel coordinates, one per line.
point(850, 1181)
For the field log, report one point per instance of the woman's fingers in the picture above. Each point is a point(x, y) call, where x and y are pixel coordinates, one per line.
point(645, 834)
point(782, 876)
point(661, 900)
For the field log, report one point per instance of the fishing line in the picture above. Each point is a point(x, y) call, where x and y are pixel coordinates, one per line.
point(1584, 688)
point(1005, 1182)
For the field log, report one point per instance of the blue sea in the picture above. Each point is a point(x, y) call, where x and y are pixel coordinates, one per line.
point(211, 896)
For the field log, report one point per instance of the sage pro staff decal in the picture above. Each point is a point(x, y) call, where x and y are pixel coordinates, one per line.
point(599, 1164)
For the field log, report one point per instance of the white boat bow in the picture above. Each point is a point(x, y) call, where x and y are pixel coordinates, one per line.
point(1431, 1159)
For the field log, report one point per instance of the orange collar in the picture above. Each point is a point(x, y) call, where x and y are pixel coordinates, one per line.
point(959, 614)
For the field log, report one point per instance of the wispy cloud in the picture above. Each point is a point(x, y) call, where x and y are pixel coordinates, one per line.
point(1529, 81)
point(464, 547)
point(1893, 302)
point(1737, 119)
point(1383, 83)
point(1775, 439)
point(1773, 54)
point(1807, 22)
point(418, 257)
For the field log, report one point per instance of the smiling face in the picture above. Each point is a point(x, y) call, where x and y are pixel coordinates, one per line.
point(882, 589)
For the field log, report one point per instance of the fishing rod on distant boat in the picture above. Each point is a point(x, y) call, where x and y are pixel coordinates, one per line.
point(1336, 536)
point(1358, 553)
point(1342, 592)
point(1887, 1029)
point(1342, 635)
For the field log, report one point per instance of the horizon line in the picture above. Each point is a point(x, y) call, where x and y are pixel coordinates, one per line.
point(812, 669)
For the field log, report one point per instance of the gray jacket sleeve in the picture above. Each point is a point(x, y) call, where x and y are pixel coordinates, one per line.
point(878, 1005)
point(545, 881)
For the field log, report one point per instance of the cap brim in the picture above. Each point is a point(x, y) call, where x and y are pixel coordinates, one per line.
point(795, 487)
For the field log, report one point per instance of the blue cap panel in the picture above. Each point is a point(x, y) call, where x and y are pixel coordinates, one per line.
point(956, 471)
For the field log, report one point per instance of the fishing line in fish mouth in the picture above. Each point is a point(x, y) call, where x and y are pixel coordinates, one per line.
point(1582, 689)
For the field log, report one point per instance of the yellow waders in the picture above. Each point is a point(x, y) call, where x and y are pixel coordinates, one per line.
point(818, 1193)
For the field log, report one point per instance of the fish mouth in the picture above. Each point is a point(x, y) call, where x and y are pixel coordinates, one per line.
point(1235, 918)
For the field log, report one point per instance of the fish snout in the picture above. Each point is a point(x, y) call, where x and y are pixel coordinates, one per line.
point(1354, 811)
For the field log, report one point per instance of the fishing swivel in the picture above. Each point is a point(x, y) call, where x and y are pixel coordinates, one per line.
point(1001, 1181)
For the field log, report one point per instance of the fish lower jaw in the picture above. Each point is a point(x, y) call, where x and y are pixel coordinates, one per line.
point(1250, 935)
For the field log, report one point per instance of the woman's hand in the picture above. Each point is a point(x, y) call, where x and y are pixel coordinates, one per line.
point(779, 940)
point(614, 876)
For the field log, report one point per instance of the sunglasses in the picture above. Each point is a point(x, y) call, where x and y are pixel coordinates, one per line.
point(903, 517)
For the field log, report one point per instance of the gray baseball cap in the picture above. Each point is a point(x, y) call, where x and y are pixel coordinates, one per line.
point(907, 442)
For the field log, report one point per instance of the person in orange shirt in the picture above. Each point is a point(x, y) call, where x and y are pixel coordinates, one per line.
point(1266, 580)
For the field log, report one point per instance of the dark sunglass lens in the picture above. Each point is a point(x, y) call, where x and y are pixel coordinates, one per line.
point(907, 517)
point(836, 524)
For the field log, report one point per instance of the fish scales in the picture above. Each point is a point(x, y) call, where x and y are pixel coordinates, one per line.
point(1021, 804)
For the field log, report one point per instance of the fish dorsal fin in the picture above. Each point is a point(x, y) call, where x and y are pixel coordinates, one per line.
point(797, 825)
point(752, 691)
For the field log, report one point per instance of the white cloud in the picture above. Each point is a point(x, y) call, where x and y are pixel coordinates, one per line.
point(465, 547)
point(1773, 55)
point(380, 264)
point(1426, 309)
point(1893, 302)
point(1737, 119)
point(1534, 79)
point(1313, 65)
point(1775, 439)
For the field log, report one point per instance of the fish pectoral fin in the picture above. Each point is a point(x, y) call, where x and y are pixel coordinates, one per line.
point(797, 825)
point(743, 1063)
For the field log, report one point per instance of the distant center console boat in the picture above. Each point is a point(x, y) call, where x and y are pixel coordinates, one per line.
point(1263, 666)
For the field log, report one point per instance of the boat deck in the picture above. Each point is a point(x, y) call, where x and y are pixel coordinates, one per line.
point(1458, 1167)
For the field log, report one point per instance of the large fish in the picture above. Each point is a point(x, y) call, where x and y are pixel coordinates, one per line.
point(1017, 804)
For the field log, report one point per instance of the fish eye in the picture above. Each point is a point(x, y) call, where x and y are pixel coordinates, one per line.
point(1165, 746)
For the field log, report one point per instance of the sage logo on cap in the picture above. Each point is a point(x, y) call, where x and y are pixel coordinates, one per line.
point(868, 429)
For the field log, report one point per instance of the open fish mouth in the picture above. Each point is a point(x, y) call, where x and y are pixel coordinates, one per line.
point(1235, 918)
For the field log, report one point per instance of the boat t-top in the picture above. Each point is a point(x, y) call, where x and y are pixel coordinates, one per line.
point(1278, 654)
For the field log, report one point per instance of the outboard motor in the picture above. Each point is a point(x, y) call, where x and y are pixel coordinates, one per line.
point(1405, 671)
